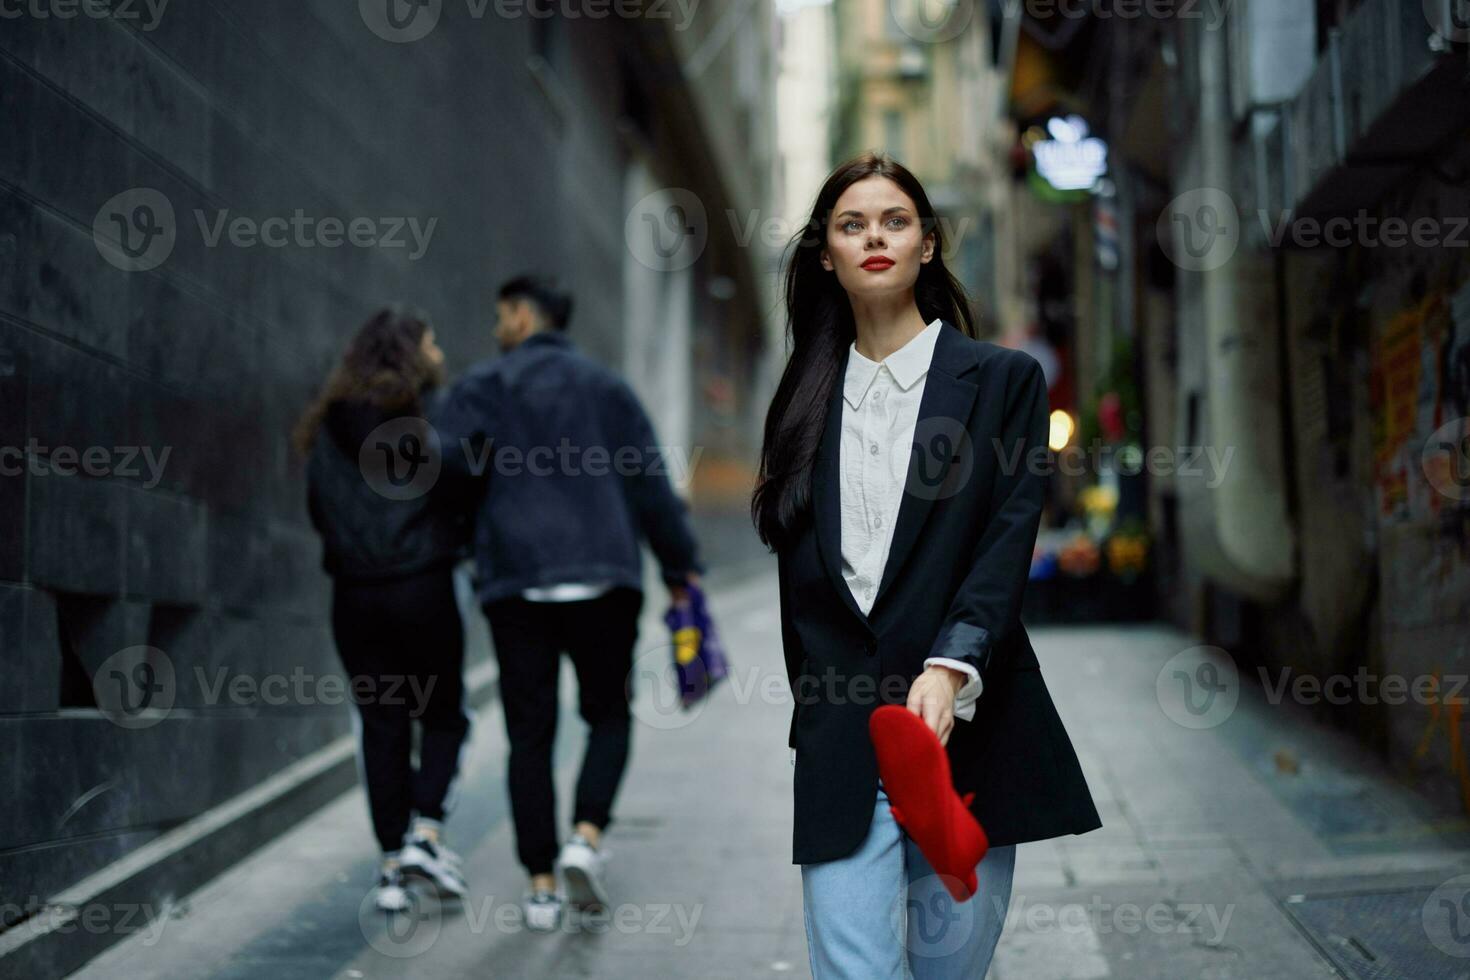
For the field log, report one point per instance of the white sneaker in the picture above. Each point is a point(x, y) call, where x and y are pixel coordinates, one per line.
point(426, 857)
point(582, 868)
point(391, 895)
point(543, 910)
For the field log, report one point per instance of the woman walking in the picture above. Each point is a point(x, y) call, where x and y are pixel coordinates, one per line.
point(390, 541)
point(900, 489)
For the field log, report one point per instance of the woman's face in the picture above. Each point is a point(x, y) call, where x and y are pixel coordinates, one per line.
point(874, 240)
point(433, 355)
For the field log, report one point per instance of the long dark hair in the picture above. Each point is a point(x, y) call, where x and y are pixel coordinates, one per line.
point(819, 326)
point(384, 365)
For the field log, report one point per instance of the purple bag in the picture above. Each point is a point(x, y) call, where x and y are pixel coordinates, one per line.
point(699, 656)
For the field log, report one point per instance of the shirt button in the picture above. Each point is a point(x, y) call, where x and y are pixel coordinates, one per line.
point(873, 449)
point(877, 522)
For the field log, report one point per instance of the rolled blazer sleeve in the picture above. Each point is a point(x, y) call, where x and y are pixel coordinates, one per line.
point(987, 605)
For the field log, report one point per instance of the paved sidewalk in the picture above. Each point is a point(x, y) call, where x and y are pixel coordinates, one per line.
point(1215, 843)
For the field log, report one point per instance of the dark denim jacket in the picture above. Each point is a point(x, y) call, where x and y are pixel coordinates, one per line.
point(570, 475)
point(368, 535)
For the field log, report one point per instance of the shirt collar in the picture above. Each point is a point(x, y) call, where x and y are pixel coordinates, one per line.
point(908, 364)
point(549, 335)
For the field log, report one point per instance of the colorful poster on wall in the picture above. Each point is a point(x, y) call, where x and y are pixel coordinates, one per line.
point(1396, 370)
point(1411, 401)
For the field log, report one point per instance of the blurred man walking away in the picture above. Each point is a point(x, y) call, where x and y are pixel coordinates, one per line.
point(573, 479)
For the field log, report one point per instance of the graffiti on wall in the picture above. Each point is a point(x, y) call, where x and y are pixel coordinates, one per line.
point(1419, 390)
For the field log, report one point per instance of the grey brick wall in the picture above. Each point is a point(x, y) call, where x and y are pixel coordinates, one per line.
point(261, 109)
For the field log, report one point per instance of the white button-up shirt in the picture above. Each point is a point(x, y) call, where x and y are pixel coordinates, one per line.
point(878, 424)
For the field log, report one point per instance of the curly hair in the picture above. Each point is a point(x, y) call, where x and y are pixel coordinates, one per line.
point(384, 365)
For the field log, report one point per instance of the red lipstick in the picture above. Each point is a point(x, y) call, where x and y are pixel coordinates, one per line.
point(878, 263)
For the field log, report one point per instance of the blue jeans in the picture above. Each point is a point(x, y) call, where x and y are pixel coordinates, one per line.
point(881, 913)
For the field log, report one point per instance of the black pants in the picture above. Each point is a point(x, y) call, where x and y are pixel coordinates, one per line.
point(599, 635)
point(402, 643)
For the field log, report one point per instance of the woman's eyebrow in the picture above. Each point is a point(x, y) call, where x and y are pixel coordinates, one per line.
point(859, 214)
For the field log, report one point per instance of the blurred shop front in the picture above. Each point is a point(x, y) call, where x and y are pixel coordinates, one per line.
point(1094, 558)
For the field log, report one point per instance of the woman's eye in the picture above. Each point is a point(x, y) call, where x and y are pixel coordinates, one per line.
point(853, 225)
point(897, 223)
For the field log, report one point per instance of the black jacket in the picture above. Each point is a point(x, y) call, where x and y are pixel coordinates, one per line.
point(372, 530)
point(571, 474)
point(958, 565)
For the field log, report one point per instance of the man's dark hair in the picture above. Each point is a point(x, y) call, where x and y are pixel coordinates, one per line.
point(554, 302)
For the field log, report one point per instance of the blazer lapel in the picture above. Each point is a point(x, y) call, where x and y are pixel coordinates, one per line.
point(827, 493)
point(939, 435)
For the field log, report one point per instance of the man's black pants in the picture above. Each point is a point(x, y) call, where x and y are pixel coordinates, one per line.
point(402, 643)
point(599, 634)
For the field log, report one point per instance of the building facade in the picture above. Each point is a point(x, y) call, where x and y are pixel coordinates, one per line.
point(195, 214)
point(1290, 288)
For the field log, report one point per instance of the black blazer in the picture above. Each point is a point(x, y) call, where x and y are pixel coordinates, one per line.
point(952, 587)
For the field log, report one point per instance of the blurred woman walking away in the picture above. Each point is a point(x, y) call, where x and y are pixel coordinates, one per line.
point(390, 540)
